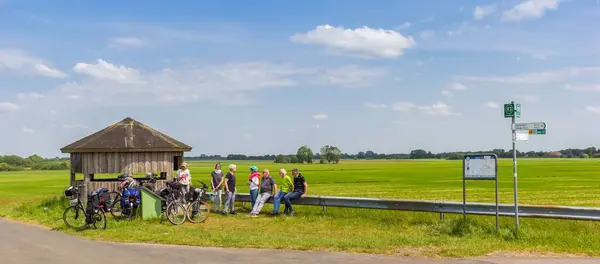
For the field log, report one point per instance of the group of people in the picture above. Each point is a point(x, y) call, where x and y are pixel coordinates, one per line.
point(262, 187)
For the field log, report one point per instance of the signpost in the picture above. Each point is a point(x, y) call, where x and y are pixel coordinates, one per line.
point(480, 167)
point(513, 111)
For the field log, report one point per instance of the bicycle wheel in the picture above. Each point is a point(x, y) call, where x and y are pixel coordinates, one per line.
point(198, 212)
point(174, 212)
point(99, 220)
point(115, 207)
point(74, 217)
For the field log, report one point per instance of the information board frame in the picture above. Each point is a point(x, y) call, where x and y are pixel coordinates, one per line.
point(467, 157)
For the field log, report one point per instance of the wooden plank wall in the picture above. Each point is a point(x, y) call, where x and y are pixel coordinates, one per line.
point(114, 185)
point(131, 162)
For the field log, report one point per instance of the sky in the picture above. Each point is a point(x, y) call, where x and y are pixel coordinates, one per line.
point(265, 77)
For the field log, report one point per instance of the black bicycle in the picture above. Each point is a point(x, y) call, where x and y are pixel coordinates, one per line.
point(173, 207)
point(199, 210)
point(77, 216)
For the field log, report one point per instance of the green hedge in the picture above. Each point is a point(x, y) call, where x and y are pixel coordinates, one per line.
point(7, 167)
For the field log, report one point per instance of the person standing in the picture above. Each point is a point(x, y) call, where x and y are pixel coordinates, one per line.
point(230, 190)
point(286, 187)
point(267, 189)
point(184, 178)
point(300, 190)
point(217, 187)
point(254, 182)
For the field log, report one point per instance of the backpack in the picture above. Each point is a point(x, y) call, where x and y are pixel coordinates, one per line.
point(131, 192)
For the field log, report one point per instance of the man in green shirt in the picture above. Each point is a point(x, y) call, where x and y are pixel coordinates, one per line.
point(286, 187)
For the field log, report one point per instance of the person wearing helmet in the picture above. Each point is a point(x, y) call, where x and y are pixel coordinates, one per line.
point(254, 182)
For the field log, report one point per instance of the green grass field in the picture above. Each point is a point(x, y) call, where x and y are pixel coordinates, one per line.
point(28, 196)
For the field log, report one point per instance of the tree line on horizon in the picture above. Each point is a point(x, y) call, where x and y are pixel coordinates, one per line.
point(333, 155)
point(304, 154)
point(33, 162)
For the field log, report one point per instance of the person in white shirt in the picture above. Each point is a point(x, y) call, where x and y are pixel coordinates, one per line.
point(184, 178)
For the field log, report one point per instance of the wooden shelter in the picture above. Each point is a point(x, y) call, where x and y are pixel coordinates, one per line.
point(127, 146)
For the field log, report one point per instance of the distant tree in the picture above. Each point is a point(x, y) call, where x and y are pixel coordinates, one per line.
point(294, 159)
point(282, 159)
point(370, 154)
point(418, 154)
point(331, 154)
point(455, 156)
point(585, 156)
point(361, 155)
point(305, 154)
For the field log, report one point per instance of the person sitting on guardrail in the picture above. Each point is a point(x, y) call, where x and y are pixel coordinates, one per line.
point(267, 189)
point(184, 178)
point(254, 182)
point(217, 187)
point(286, 187)
point(230, 190)
point(300, 190)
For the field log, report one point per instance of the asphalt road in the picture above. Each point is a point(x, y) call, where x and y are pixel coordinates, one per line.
point(26, 244)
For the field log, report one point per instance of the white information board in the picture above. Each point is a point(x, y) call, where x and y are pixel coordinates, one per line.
point(482, 167)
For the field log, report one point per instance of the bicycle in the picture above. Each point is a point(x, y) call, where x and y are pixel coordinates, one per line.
point(199, 210)
point(173, 206)
point(91, 216)
point(125, 208)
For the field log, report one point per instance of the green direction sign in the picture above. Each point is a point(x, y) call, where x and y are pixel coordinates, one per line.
point(511, 110)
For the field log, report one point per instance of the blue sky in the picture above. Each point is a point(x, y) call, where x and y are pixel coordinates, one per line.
point(260, 77)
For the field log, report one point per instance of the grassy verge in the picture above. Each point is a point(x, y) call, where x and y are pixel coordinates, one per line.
point(29, 196)
point(340, 229)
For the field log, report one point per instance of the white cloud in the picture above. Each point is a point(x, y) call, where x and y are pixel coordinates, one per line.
point(427, 34)
point(352, 76)
point(126, 42)
point(103, 70)
point(29, 96)
point(458, 86)
point(481, 12)
point(492, 104)
point(28, 130)
point(536, 78)
point(49, 72)
point(25, 63)
point(375, 105)
point(362, 42)
point(316, 126)
point(439, 109)
point(6, 107)
point(236, 84)
point(583, 87)
point(320, 116)
point(446, 93)
point(402, 106)
point(593, 109)
point(404, 25)
point(529, 9)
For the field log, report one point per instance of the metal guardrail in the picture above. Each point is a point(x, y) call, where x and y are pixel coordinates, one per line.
point(446, 207)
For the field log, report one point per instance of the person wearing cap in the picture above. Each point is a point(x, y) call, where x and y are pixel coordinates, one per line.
point(267, 189)
point(254, 182)
point(300, 190)
point(286, 187)
point(184, 178)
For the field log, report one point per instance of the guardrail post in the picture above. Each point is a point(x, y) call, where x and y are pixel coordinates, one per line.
point(442, 216)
